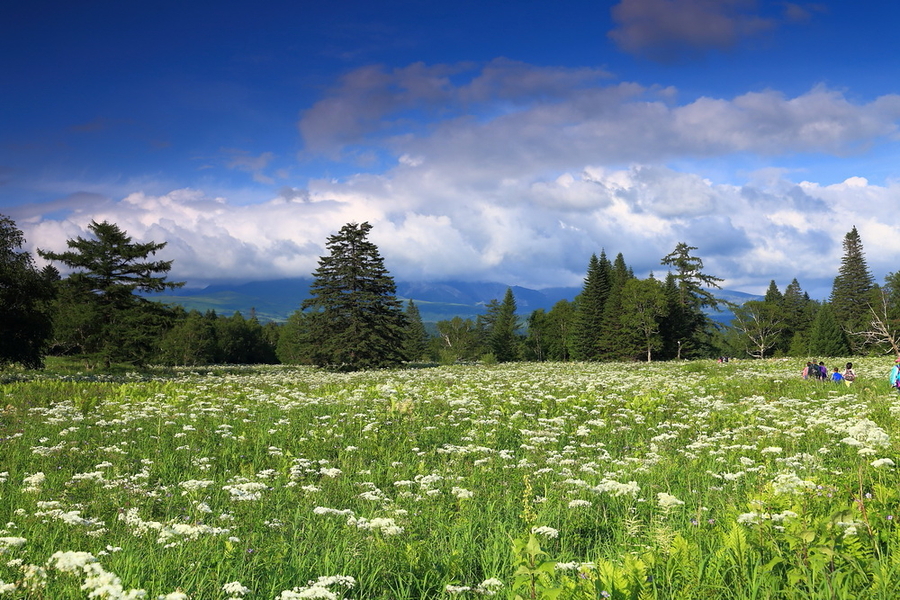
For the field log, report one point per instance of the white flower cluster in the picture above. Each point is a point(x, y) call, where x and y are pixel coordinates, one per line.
point(319, 588)
point(235, 590)
point(488, 587)
point(99, 582)
point(668, 501)
point(790, 483)
point(385, 525)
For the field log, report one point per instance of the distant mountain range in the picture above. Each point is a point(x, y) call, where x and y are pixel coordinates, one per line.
point(275, 300)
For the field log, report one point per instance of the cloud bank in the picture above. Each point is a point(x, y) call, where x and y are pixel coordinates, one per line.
point(516, 173)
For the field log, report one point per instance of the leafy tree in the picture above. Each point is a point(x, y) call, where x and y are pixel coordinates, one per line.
point(357, 321)
point(591, 303)
point(457, 340)
point(550, 332)
point(761, 324)
point(851, 293)
point(416, 338)
point(687, 327)
point(242, 341)
point(25, 293)
point(100, 311)
point(643, 306)
point(192, 341)
point(827, 337)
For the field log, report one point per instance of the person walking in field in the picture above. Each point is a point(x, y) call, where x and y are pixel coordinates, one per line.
point(807, 370)
point(836, 376)
point(849, 375)
point(895, 375)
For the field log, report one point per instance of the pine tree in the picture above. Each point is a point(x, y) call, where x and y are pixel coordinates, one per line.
point(99, 310)
point(798, 314)
point(851, 293)
point(590, 305)
point(25, 293)
point(616, 341)
point(687, 327)
point(356, 318)
point(500, 325)
point(826, 337)
point(416, 338)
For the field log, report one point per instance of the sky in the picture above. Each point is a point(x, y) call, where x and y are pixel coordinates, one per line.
point(484, 141)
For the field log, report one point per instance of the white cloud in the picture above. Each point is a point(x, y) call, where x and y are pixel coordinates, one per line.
point(517, 174)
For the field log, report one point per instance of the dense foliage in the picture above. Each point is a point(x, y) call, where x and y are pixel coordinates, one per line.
point(25, 295)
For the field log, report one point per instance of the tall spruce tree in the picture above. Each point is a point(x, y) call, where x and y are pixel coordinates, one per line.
point(416, 339)
point(25, 294)
point(615, 340)
point(356, 318)
point(851, 293)
point(827, 337)
point(590, 306)
point(99, 311)
point(500, 326)
point(798, 311)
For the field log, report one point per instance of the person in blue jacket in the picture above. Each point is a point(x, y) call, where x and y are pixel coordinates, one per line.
point(895, 375)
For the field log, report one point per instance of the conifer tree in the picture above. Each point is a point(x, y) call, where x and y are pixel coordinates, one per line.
point(415, 343)
point(798, 315)
point(616, 341)
point(851, 294)
point(687, 327)
point(827, 337)
point(356, 319)
point(590, 305)
point(99, 312)
point(500, 326)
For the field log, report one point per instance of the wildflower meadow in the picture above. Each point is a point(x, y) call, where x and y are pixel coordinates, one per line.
point(553, 480)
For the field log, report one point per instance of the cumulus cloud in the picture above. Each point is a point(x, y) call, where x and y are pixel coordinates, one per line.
point(745, 234)
point(517, 174)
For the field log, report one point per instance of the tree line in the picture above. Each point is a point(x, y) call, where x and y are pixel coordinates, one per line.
point(353, 319)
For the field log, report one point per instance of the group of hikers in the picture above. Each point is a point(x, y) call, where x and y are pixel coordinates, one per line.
point(820, 372)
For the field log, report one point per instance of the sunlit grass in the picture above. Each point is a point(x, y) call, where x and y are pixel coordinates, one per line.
point(182, 481)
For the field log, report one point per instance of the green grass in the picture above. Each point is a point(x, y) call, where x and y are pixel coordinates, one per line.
point(411, 481)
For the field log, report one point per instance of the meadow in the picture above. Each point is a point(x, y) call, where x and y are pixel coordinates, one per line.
point(668, 480)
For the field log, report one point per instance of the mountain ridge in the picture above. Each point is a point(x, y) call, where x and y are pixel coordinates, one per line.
point(276, 299)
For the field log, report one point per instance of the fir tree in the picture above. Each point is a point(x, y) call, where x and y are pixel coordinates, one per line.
point(616, 341)
point(851, 293)
point(99, 305)
point(687, 326)
point(826, 337)
point(500, 326)
point(415, 342)
point(356, 319)
point(590, 305)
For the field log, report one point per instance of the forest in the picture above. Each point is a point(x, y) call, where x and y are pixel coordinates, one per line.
point(99, 314)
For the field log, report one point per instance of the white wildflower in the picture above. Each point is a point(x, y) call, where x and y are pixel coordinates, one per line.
point(882, 462)
point(545, 531)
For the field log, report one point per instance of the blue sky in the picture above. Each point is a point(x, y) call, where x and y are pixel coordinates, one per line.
point(490, 141)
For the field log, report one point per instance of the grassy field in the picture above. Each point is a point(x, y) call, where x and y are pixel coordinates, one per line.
point(688, 480)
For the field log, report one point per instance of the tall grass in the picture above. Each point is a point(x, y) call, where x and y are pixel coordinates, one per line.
point(688, 480)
